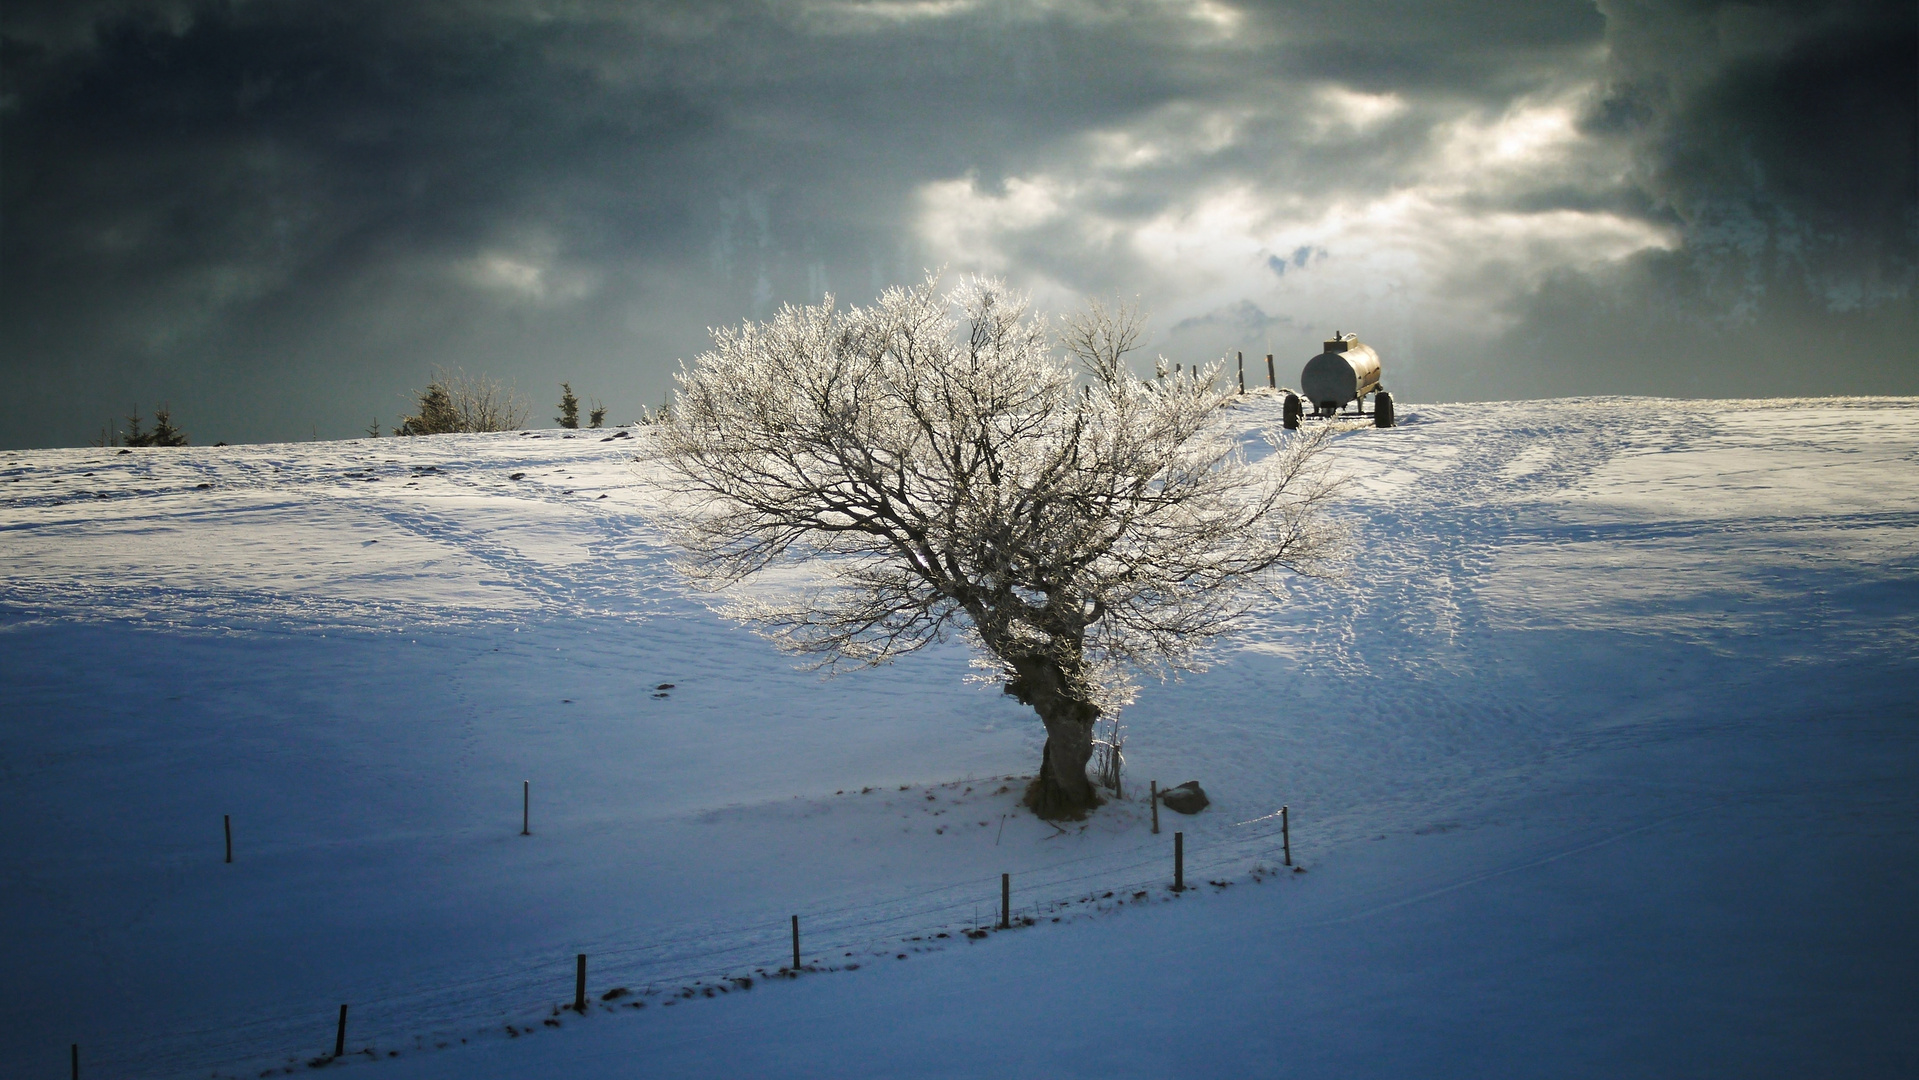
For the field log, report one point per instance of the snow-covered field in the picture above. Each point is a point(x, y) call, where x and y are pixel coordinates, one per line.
point(1604, 763)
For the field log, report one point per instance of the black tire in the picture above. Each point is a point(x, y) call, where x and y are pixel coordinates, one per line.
point(1382, 409)
point(1292, 412)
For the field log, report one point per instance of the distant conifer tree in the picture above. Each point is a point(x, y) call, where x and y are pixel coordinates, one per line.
point(133, 436)
point(596, 418)
point(436, 416)
point(164, 433)
point(569, 408)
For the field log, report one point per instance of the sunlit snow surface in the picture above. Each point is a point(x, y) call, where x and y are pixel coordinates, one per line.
point(1666, 645)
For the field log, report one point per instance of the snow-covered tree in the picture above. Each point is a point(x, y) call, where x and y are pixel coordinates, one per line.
point(952, 468)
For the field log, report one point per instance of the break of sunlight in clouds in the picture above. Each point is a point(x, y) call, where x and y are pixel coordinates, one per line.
point(1198, 22)
point(534, 277)
point(1444, 244)
point(1341, 112)
point(1221, 17)
point(1173, 137)
point(854, 14)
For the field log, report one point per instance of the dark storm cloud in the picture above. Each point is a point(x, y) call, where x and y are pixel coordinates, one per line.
point(253, 197)
point(279, 216)
point(1801, 112)
point(210, 202)
point(1782, 138)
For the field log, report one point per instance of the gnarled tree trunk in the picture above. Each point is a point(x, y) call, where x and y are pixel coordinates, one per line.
point(1061, 791)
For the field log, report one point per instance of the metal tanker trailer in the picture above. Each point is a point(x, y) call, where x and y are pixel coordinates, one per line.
point(1344, 373)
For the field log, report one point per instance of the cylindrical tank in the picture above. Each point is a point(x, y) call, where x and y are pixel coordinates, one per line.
point(1343, 373)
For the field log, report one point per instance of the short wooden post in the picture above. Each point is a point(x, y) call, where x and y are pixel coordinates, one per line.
point(1155, 790)
point(796, 944)
point(1242, 372)
point(227, 819)
point(579, 984)
point(526, 808)
point(1285, 836)
point(1272, 380)
point(339, 1035)
point(76, 1061)
point(1179, 862)
point(1006, 901)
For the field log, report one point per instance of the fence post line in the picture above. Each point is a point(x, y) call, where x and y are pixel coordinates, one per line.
point(1155, 790)
point(227, 821)
point(339, 1035)
point(1286, 835)
point(579, 984)
point(1271, 379)
point(796, 944)
point(526, 808)
point(1179, 862)
point(1006, 901)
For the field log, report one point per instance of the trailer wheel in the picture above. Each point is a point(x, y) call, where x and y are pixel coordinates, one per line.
point(1382, 409)
point(1291, 413)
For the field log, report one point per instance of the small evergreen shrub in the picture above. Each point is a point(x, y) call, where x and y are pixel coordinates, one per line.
point(163, 433)
point(457, 402)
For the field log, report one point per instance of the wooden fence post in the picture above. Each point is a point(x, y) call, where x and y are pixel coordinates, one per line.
point(227, 820)
point(76, 1061)
point(579, 984)
point(1155, 790)
point(1286, 836)
point(1272, 380)
point(339, 1035)
point(796, 944)
point(1006, 901)
point(1179, 862)
point(1242, 372)
point(526, 808)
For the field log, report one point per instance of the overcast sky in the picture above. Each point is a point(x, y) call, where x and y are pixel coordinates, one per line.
point(278, 216)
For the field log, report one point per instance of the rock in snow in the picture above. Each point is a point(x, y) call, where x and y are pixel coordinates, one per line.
point(1187, 798)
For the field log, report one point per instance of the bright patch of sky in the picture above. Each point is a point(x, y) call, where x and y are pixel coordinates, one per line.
point(1443, 243)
